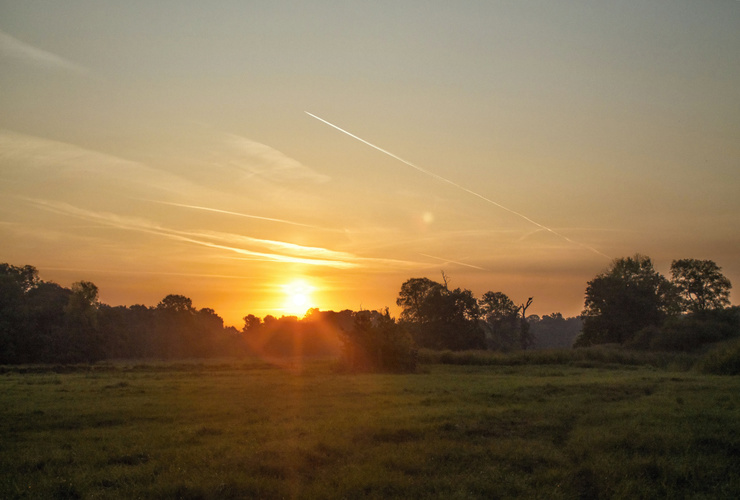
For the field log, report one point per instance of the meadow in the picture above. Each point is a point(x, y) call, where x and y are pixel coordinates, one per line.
point(251, 429)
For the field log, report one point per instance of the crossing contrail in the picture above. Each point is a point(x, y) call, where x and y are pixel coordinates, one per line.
point(453, 261)
point(458, 186)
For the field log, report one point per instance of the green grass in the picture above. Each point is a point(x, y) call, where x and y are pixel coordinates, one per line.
point(252, 430)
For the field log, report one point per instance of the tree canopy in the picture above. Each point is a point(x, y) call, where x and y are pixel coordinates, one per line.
point(440, 318)
point(629, 296)
point(634, 305)
point(701, 284)
point(630, 303)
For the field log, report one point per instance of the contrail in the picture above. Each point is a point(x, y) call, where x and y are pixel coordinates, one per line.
point(458, 186)
point(453, 262)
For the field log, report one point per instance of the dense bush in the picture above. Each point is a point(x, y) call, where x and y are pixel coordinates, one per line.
point(689, 332)
point(377, 343)
point(724, 359)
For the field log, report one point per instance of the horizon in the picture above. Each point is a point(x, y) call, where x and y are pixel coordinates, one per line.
point(178, 149)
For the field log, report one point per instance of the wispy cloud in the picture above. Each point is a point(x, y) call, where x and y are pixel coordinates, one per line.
point(246, 247)
point(260, 249)
point(263, 161)
point(239, 214)
point(28, 156)
point(12, 48)
point(145, 273)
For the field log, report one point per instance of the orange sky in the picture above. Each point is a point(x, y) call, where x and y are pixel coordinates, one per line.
point(164, 147)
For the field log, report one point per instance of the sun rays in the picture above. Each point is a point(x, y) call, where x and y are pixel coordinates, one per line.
point(298, 296)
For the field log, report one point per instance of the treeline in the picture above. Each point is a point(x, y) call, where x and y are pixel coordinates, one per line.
point(44, 322)
point(633, 305)
point(630, 304)
point(438, 317)
point(553, 331)
point(41, 321)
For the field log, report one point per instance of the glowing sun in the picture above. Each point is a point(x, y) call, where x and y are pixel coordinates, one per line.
point(297, 297)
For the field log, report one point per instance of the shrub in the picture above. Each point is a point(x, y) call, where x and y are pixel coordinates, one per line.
point(691, 332)
point(644, 339)
point(377, 343)
point(724, 359)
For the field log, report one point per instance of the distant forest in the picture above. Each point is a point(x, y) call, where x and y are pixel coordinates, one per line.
point(43, 322)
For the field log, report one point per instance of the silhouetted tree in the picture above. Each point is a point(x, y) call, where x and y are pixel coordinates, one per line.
point(701, 285)
point(13, 288)
point(526, 338)
point(440, 318)
point(251, 323)
point(174, 321)
point(32, 316)
point(629, 296)
point(142, 332)
point(81, 340)
point(82, 307)
point(44, 322)
point(501, 319)
point(419, 298)
point(377, 343)
point(176, 304)
point(23, 278)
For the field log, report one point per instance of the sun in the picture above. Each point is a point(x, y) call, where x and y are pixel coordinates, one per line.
point(297, 297)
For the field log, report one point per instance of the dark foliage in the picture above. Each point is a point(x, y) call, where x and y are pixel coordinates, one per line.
point(701, 285)
point(630, 304)
point(633, 305)
point(630, 296)
point(440, 318)
point(724, 359)
point(505, 329)
point(315, 335)
point(377, 343)
point(689, 332)
point(42, 322)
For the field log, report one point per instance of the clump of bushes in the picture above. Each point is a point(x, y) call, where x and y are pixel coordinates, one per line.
point(376, 343)
point(689, 332)
point(724, 359)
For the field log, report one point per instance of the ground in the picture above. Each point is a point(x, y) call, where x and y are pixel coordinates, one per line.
point(249, 429)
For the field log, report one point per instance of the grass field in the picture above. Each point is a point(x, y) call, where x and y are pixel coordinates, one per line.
point(253, 430)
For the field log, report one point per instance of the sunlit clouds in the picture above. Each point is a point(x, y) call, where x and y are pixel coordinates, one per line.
point(276, 251)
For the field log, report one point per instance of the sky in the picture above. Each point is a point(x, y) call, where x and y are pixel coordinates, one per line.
point(262, 157)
